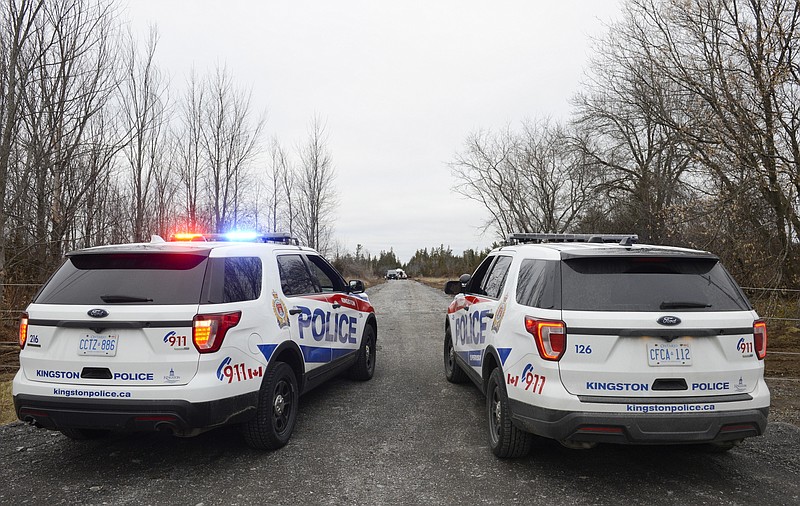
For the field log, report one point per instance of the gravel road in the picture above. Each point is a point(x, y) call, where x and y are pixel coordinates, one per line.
point(405, 437)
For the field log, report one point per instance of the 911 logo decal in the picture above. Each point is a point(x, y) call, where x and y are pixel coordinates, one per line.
point(175, 341)
point(531, 382)
point(237, 372)
point(745, 348)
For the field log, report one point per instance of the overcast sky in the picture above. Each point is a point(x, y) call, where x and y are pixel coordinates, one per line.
point(399, 84)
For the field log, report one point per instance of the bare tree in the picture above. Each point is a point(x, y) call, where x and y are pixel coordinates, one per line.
point(315, 188)
point(189, 152)
point(278, 201)
point(529, 181)
point(288, 182)
point(733, 66)
point(16, 32)
point(143, 93)
point(230, 142)
point(641, 163)
point(73, 78)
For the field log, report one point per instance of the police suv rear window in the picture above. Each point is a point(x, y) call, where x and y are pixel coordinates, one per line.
point(126, 278)
point(539, 284)
point(295, 278)
point(233, 279)
point(648, 284)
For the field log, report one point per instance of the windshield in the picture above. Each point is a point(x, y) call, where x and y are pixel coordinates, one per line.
point(648, 284)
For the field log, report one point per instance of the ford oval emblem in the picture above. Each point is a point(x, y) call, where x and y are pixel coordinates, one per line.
point(97, 313)
point(668, 320)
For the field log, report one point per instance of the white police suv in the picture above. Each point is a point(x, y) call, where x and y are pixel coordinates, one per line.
point(588, 339)
point(188, 336)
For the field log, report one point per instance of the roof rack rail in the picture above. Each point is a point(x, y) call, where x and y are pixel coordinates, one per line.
point(523, 238)
point(277, 237)
point(281, 238)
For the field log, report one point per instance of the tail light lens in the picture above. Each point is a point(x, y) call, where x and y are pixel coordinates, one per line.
point(550, 337)
point(23, 330)
point(208, 330)
point(760, 338)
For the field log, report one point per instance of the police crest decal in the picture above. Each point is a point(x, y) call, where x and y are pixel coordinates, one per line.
point(280, 311)
point(501, 312)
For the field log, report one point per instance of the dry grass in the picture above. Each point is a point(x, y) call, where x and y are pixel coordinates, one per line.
point(437, 283)
point(370, 281)
point(7, 413)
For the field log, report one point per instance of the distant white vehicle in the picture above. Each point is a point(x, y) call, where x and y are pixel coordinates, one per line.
point(396, 274)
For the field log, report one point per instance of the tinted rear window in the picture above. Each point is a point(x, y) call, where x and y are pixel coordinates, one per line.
point(295, 278)
point(539, 284)
point(648, 284)
point(127, 278)
point(233, 279)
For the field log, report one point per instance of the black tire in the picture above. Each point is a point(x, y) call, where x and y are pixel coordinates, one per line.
point(364, 367)
point(452, 371)
point(505, 440)
point(84, 434)
point(276, 412)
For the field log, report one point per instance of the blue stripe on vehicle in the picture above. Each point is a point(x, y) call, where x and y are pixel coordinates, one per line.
point(340, 352)
point(504, 353)
point(472, 357)
point(267, 350)
point(316, 354)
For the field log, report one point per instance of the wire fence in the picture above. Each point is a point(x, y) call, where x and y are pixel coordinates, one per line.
point(773, 304)
point(778, 304)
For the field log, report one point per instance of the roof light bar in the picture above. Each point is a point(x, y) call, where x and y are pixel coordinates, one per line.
point(237, 236)
point(187, 236)
point(241, 236)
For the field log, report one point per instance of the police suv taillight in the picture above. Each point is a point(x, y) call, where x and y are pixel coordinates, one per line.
point(208, 330)
point(550, 337)
point(760, 338)
point(23, 330)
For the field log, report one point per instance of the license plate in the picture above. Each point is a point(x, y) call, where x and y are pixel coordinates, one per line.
point(103, 346)
point(659, 354)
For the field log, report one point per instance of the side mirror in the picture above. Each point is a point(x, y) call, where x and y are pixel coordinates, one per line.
point(356, 286)
point(452, 287)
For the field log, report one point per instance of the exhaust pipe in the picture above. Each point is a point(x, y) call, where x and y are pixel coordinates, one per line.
point(167, 427)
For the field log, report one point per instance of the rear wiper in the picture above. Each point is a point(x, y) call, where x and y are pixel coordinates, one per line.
point(682, 304)
point(112, 299)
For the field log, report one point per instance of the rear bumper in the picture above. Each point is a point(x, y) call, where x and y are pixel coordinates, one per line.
point(640, 428)
point(133, 415)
